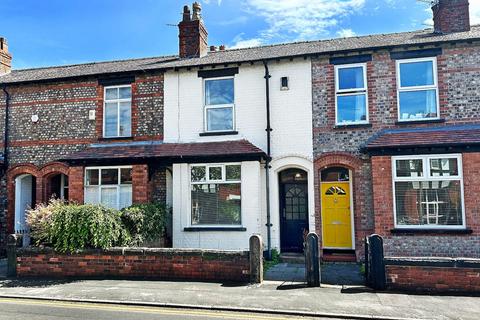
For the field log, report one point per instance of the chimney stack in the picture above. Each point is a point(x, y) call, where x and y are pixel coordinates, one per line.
point(451, 16)
point(5, 57)
point(192, 33)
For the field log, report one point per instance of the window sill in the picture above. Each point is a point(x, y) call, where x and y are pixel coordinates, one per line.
point(410, 122)
point(218, 133)
point(115, 138)
point(430, 231)
point(352, 126)
point(206, 229)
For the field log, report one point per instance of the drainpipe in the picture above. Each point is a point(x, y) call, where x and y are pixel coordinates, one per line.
point(267, 161)
point(5, 137)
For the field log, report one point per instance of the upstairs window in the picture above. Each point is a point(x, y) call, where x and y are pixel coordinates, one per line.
point(219, 105)
point(417, 89)
point(117, 112)
point(428, 191)
point(351, 94)
point(216, 194)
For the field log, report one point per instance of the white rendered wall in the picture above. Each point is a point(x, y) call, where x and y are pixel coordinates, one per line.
point(291, 142)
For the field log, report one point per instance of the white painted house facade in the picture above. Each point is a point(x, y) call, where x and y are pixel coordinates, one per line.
point(208, 105)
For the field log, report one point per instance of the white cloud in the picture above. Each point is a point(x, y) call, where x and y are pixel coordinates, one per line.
point(240, 42)
point(346, 33)
point(219, 2)
point(298, 20)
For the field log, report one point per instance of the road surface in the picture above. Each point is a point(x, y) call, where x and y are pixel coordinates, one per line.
point(40, 310)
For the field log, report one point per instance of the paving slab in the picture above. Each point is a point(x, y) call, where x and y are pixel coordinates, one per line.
point(270, 295)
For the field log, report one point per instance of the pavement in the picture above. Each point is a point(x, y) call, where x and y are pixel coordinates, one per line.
point(271, 297)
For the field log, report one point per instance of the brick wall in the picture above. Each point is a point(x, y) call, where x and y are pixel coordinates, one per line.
point(166, 264)
point(433, 274)
point(458, 73)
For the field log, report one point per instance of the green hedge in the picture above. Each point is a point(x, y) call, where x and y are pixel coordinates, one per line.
point(69, 227)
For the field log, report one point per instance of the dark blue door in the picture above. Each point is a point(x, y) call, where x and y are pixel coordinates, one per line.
point(293, 215)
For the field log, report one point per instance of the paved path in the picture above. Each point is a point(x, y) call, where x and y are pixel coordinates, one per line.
point(332, 273)
point(268, 296)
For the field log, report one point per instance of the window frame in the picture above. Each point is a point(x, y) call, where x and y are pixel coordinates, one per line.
point(400, 89)
point(100, 186)
point(217, 106)
point(427, 177)
point(351, 92)
point(208, 181)
point(117, 101)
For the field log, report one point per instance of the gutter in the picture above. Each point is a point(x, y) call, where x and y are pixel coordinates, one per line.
point(5, 137)
point(268, 159)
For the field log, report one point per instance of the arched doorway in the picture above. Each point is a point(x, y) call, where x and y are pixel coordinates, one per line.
point(336, 208)
point(293, 187)
point(25, 198)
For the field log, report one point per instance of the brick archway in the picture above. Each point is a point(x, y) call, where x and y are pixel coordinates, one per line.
point(49, 171)
point(41, 174)
point(359, 178)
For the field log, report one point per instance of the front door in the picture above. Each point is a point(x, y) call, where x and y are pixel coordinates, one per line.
point(336, 215)
point(293, 216)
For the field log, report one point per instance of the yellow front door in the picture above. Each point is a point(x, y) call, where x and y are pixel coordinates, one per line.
point(336, 215)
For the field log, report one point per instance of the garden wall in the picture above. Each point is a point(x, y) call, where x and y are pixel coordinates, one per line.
point(433, 274)
point(164, 264)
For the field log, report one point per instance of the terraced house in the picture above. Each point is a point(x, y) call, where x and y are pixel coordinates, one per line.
point(344, 137)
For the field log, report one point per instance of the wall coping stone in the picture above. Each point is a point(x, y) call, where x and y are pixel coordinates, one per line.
point(433, 262)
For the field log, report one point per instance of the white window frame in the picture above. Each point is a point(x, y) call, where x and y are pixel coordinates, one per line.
point(417, 88)
point(217, 106)
point(426, 177)
point(208, 181)
point(107, 186)
point(117, 101)
point(351, 92)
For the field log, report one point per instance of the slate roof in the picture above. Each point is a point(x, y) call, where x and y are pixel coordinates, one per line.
point(448, 135)
point(341, 45)
point(168, 152)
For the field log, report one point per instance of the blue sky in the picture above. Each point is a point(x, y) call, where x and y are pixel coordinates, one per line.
point(56, 32)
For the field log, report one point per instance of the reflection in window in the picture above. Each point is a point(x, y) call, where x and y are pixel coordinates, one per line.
point(117, 119)
point(219, 104)
point(111, 187)
point(351, 94)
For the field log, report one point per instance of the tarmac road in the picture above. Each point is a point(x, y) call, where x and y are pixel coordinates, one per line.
point(43, 310)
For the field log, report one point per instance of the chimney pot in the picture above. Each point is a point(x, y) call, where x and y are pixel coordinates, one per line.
point(5, 57)
point(222, 47)
point(213, 48)
point(451, 16)
point(186, 13)
point(197, 11)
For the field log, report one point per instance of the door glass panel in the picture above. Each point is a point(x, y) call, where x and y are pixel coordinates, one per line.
point(335, 174)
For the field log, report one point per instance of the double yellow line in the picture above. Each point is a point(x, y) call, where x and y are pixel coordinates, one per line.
point(151, 310)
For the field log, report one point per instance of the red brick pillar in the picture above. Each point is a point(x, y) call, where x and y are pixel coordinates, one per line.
point(382, 194)
point(75, 181)
point(140, 186)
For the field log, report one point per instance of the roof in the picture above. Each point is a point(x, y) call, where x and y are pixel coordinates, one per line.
point(412, 138)
point(237, 150)
point(340, 45)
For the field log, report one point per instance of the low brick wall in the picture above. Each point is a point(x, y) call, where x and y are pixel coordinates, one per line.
point(433, 274)
point(165, 264)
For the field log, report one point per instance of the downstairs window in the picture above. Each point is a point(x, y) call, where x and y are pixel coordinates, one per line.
point(428, 191)
point(216, 194)
point(109, 186)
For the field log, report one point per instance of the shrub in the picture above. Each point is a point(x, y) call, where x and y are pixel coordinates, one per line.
point(71, 227)
point(145, 222)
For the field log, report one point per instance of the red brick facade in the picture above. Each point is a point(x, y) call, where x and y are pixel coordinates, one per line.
point(166, 264)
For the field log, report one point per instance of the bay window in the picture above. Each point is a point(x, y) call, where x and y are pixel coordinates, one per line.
point(109, 186)
point(117, 112)
point(428, 191)
point(351, 94)
point(216, 194)
point(219, 104)
point(417, 89)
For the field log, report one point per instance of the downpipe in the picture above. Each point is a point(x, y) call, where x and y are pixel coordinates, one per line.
point(267, 160)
